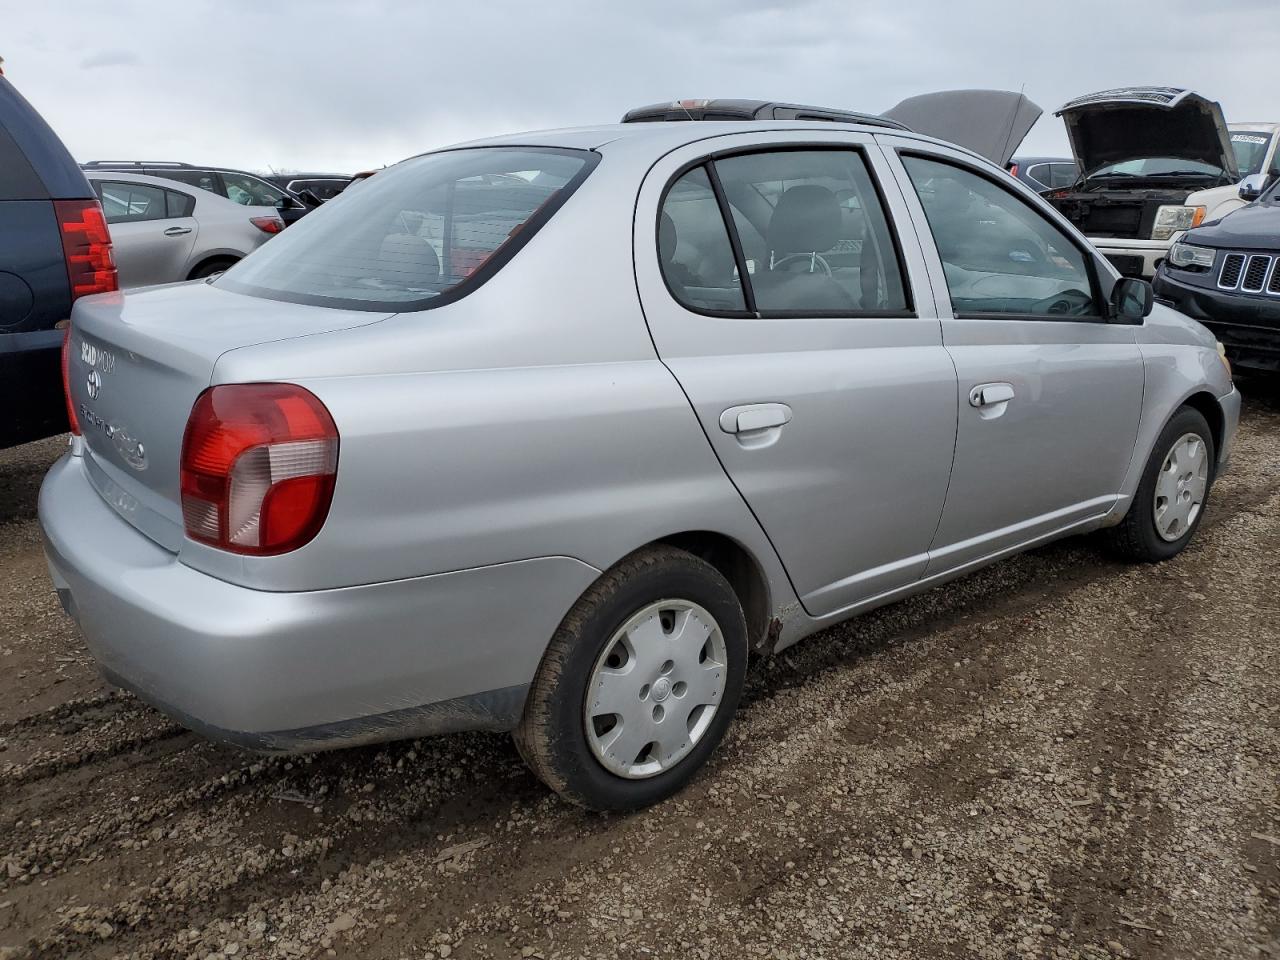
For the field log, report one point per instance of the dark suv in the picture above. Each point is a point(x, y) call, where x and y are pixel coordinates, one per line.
point(54, 247)
point(238, 185)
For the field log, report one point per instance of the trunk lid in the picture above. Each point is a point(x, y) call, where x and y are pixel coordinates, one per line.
point(991, 123)
point(136, 363)
point(1140, 123)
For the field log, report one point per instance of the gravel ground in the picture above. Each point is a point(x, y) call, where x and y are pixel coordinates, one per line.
point(1060, 756)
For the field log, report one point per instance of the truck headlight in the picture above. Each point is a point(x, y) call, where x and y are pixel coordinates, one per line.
point(1174, 219)
point(1189, 255)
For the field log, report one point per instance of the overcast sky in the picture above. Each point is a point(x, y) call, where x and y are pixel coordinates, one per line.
point(342, 85)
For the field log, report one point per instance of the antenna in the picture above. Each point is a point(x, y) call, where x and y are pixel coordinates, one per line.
point(1013, 118)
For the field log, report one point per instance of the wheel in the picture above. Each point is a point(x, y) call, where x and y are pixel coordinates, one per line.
point(1169, 502)
point(638, 684)
point(210, 268)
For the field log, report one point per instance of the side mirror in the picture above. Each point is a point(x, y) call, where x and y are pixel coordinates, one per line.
point(1131, 300)
point(1251, 187)
point(287, 203)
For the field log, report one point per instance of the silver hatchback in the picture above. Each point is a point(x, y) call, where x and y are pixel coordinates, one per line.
point(548, 433)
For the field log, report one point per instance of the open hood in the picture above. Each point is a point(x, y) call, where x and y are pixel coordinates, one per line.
point(992, 123)
point(1138, 123)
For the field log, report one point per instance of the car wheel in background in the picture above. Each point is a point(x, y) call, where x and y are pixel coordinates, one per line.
point(638, 684)
point(1170, 500)
point(210, 267)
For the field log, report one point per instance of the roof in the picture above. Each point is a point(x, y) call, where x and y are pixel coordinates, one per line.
point(665, 136)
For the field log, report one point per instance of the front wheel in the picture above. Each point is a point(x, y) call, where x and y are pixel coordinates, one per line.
point(1170, 499)
point(638, 684)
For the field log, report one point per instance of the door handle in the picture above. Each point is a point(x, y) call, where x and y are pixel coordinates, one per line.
point(990, 394)
point(177, 231)
point(751, 417)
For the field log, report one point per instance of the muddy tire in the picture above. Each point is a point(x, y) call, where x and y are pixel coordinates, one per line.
point(1169, 503)
point(638, 684)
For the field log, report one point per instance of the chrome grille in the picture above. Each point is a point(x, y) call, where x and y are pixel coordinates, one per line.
point(1255, 274)
point(1232, 267)
point(1250, 273)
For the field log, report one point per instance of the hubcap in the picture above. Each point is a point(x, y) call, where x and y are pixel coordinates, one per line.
point(655, 689)
point(1181, 486)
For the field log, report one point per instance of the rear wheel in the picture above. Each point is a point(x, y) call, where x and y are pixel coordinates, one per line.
point(210, 267)
point(1170, 499)
point(638, 684)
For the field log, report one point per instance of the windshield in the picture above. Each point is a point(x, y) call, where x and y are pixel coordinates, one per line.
point(1157, 167)
point(414, 235)
point(1251, 151)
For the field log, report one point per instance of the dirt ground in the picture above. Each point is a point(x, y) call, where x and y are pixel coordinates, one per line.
point(1060, 756)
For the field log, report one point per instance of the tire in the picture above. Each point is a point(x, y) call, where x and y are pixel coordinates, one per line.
point(209, 268)
point(1139, 537)
point(664, 597)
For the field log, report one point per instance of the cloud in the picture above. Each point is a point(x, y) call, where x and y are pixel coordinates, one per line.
point(110, 58)
point(335, 84)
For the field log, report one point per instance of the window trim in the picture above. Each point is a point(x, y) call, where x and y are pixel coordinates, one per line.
point(1090, 260)
point(481, 275)
point(744, 277)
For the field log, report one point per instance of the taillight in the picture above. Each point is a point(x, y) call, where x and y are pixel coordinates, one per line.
point(86, 244)
point(259, 461)
point(66, 381)
point(1013, 169)
point(268, 224)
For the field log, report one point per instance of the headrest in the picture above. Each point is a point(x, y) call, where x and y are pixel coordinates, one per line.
point(806, 220)
point(667, 237)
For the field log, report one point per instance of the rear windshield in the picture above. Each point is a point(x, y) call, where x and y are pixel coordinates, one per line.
point(417, 235)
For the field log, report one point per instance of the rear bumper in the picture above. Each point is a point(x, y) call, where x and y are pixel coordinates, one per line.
point(1248, 326)
point(291, 672)
point(1144, 255)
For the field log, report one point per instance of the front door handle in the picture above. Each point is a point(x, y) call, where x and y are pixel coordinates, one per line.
point(990, 394)
point(177, 231)
point(753, 417)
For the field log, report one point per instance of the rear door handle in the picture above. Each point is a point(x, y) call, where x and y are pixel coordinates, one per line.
point(177, 231)
point(990, 394)
point(751, 417)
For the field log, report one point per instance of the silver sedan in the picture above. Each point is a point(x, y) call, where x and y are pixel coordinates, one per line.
point(548, 433)
point(164, 231)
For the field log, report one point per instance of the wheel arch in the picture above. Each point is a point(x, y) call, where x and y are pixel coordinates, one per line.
point(1207, 405)
point(218, 256)
point(743, 571)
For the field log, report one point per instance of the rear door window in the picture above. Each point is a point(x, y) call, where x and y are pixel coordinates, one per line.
point(423, 233)
point(124, 202)
point(250, 191)
point(204, 179)
point(18, 179)
point(813, 232)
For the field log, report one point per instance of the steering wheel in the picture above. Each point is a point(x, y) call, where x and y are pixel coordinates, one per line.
point(1064, 304)
point(815, 259)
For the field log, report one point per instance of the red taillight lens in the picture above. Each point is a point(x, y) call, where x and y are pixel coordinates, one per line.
point(268, 224)
point(66, 381)
point(259, 461)
point(86, 243)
